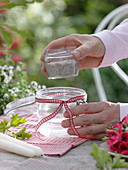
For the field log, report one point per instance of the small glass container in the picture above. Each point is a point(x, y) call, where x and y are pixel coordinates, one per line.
point(59, 63)
point(52, 127)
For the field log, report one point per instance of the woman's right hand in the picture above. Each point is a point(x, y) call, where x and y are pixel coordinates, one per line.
point(89, 50)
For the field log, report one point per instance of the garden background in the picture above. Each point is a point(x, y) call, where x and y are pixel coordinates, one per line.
point(27, 26)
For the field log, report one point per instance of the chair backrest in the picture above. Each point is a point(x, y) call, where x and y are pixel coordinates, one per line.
point(109, 22)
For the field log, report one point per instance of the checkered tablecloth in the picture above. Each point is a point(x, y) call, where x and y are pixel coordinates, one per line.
point(50, 146)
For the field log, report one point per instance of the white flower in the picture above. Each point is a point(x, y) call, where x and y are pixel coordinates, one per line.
point(11, 73)
point(15, 95)
point(11, 67)
point(5, 67)
point(11, 91)
point(6, 96)
point(15, 89)
point(18, 68)
point(43, 87)
point(27, 91)
point(7, 79)
point(3, 73)
point(34, 84)
point(39, 86)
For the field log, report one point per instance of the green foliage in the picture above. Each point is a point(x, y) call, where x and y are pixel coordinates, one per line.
point(22, 134)
point(104, 161)
point(16, 121)
point(15, 3)
point(7, 37)
point(14, 83)
point(6, 125)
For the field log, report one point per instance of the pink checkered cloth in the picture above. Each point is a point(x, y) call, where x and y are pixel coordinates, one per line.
point(50, 146)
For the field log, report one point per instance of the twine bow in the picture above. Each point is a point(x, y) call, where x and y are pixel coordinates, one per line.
point(61, 104)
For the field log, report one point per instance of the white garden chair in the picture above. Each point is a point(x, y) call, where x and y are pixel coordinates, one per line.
point(109, 22)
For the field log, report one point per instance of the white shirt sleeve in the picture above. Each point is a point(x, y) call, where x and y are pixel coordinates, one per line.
point(116, 43)
point(123, 110)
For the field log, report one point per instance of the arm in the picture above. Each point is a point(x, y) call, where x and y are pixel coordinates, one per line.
point(116, 43)
point(96, 50)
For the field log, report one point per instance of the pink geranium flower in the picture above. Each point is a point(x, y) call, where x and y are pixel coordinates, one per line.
point(118, 137)
point(16, 58)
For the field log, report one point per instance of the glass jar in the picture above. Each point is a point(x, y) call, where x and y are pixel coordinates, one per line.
point(59, 63)
point(52, 127)
point(23, 107)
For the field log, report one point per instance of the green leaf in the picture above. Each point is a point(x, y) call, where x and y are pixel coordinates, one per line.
point(16, 121)
point(105, 138)
point(101, 156)
point(104, 160)
point(9, 5)
point(8, 37)
point(118, 162)
point(21, 1)
point(16, 3)
point(22, 134)
point(14, 29)
point(4, 126)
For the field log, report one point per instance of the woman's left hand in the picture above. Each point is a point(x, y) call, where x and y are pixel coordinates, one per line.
point(91, 119)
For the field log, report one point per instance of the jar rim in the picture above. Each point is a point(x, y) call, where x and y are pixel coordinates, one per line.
point(65, 52)
point(60, 90)
point(20, 101)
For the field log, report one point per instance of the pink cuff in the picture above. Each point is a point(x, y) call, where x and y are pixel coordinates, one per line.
point(123, 110)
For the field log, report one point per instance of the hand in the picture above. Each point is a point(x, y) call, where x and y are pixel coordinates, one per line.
point(91, 119)
point(89, 49)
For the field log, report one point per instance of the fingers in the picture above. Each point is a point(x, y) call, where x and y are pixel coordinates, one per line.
point(67, 41)
point(86, 119)
point(93, 131)
point(86, 108)
point(91, 46)
point(53, 45)
point(95, 137)
point(43, 69)
point(81, 52)
point(89, 62)
point(59, 43)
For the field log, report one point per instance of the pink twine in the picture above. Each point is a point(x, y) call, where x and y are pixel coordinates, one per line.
point(61, 104)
